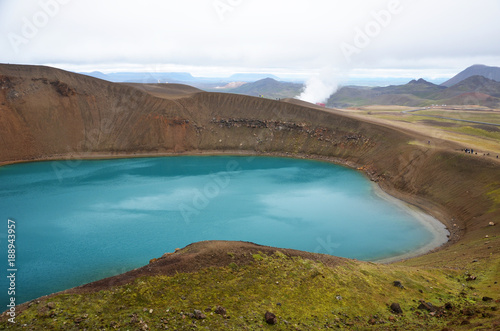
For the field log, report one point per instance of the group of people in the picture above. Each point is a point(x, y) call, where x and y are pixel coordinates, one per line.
point(471, 151)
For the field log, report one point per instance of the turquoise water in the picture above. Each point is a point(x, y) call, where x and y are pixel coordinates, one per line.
point(77, 222)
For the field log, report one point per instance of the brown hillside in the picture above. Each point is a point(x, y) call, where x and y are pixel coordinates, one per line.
point(474, 98)
point(49, 113)
point(168, 91)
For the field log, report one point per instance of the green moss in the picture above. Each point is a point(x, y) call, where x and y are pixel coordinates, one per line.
point(257, 257)
point(494, 195)
point(303, 294)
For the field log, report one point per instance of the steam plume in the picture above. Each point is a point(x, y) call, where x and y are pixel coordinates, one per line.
point(319, 87)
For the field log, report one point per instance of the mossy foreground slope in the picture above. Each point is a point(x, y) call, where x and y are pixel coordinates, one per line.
point(232, 285)
point(47, 113)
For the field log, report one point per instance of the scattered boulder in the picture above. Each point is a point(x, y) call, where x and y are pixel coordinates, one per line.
point(396, 308)
point(270, 318)
point(491, 224)
point(397, 283)
point(426, 306)
point(199, 315)
point(448, 306)
point(220, 310)
point(51, 305)
point(487, 299)
point(471, 278)
point(372, 321)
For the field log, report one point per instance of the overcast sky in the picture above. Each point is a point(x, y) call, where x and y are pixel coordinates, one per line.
point(408, 38)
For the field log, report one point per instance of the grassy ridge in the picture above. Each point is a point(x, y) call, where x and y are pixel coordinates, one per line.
point(303, 294)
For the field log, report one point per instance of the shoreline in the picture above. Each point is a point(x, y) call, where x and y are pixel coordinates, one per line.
point(436, 226)
point(433, 225)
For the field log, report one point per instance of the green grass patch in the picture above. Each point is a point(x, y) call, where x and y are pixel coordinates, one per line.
point(464, 115)
point(476, 132)
point(303, 294)
point(494, 195)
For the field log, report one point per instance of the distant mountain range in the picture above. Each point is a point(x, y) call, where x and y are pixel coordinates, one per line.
point(478, 84)
point(143, 77)
point(269, 88)
point(476, 90)
point(463, 89)
point(251, 77)
point(174, 77)
point(492, 73)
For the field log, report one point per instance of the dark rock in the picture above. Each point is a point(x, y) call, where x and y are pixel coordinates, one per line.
point(396, 308)
point(426, 306)
point(270, 318)
point(372, 321)
point(199, 315)
point(220, 310)
point(448, 306)
point(208, 309)
point(421, 291)
point(465, 322)
point(468, 312)
point(487, 299)
point(397, 283)
point(63, 88)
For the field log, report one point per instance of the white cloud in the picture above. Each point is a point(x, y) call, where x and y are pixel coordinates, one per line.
point(292, 35)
